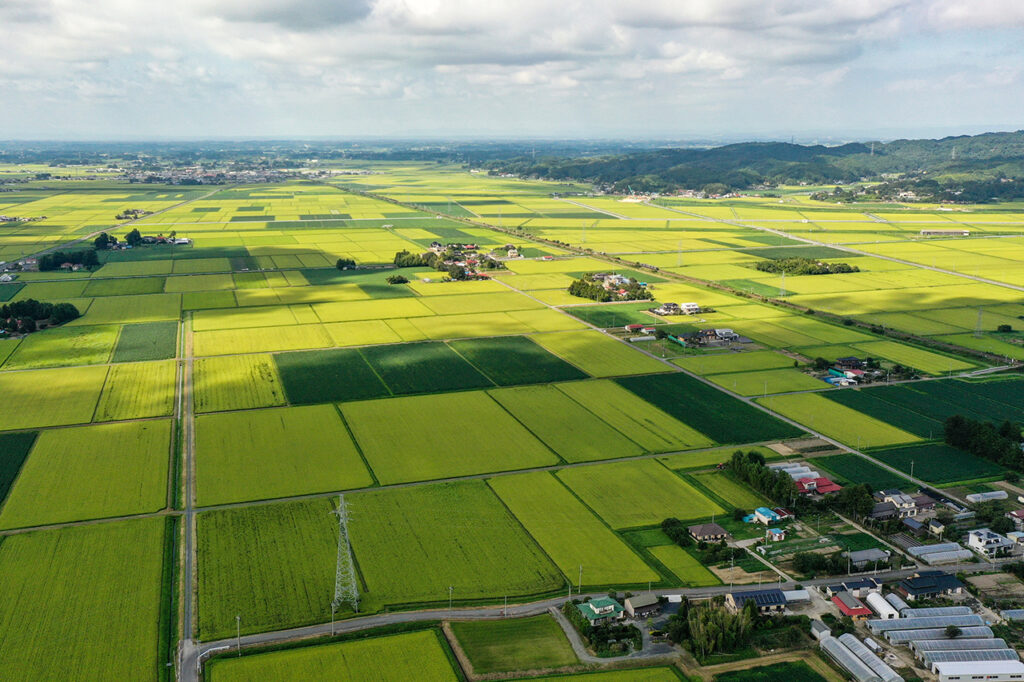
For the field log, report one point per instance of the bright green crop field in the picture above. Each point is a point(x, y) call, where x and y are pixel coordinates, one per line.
point(838, 421)
point(70, 589)
point(684, 566)
point(137, 390)
point(89, 472)
point(608, 490)
point(395, 658)
point(565, 426)
point(496, 646)
point(411, 544)
point(236, 382)
point(569, 532)
point(263, 454)
point(421, 450)
point(272, 564)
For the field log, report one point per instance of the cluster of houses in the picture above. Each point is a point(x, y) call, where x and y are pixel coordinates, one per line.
point(604, 610)
point(613, 282)
point(18, 219)
point(132, 214)
point(23, 265)
point(666, 309)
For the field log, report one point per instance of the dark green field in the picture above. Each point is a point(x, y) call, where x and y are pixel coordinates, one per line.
point(8, 291)
point(428, 367)
point(322, 376)
point(513, 360)
point(939, 463)
point(617, 315)
point(361, 277)
point(873, 402)
point(791, 671)
point(14, 448)
point(856, 469)
point(722, 418)
point(147, 341)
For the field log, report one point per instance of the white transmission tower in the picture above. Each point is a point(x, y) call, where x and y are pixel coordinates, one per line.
point(346, 589)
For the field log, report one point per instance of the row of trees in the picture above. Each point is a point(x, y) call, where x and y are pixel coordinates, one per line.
point(749, 467)
point(1001, 444)
point(404, 259)
point(711, 628)
point(587, 287)
point(804, 266)
point(24, 316)
point(53, 261)
point(677, 532)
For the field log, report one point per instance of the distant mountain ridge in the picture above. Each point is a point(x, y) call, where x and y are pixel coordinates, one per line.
point(989, 156)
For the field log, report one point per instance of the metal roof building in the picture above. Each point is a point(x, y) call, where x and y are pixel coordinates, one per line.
point(931, 549)
point(883, 608)
point(937, 611)
point(994, 671)
point(848, 661)
point(932, 657)
point(958, 644)
point(1012, 614)
point(877, 665)
point(903, 636)
point(937, 558)
point(923, 623)
point(897, 602)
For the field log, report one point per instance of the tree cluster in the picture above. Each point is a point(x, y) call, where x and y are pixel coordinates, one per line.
point(397, 279)
point(23, 316)
point(134, 237)
point(104, 241)
point(804, 266)
point(710, 628)
point(1001, 444)
point(677, 532)
point(345, 264)
point(749, 467)
point(53, 261)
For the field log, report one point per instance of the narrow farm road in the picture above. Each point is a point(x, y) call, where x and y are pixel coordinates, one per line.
point(187, 425)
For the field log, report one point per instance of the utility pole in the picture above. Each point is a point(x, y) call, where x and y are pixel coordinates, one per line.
point(911, 468)
point(334, 607)
point(579, 588)
point(450, 590)
point(238, 633)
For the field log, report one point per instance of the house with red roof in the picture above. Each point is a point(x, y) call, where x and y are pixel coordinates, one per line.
point(849, 605)
point(817, 486)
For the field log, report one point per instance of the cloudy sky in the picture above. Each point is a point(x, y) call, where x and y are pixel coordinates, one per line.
point(566, 68)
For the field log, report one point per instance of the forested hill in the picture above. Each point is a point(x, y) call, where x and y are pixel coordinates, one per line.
point(986, 157)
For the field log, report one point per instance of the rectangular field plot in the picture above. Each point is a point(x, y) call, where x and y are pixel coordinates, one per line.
point(421, 451)
point(122, 287)
point(837, 421)
point(30, 398)
point(64, 346)
point(635, 418)
point(939, 463)
point(663, 674)
point(90, 472)
point(151, 341)
point(599, 355)
point(617, 315)
point(721, 417)
point(52, 578)
point(607, 489)
point(328, 376)
point(512, 360)
point(732, 492)
point(14, 448)
point(567, 428)
point(422, 368)
point(766, 381)
point(873, 402)
point(262, 454)
point(569, 532)
point(231, 341)
point(395, 658)
point(909, 356)
point(850, 468)
point(131, 309)
point(734, 362)
point(494, 646)
point(462, 535)
point(684, 566)
point(271, 563)
point(137, 390)
point(236, 382)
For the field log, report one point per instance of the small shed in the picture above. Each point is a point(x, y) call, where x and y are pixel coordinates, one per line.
point(643, 606)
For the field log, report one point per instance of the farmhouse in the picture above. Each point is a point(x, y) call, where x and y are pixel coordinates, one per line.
point(708, 532)
point(945, 233)
point(817, 486)
point(643, 606)
point(862, 558)
point(1017, 517)
point(774, 535)
point(903, 504)
point(765, 515)
point(858, 588)
point(601, 610)
point(990, 544)
point(850, 362)
point(929, 584)
point(849, 605)
point(767, 601)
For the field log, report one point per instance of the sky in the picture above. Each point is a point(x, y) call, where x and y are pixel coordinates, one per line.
point(673, 69)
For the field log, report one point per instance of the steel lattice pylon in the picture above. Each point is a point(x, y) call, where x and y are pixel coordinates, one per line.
point(346, 589)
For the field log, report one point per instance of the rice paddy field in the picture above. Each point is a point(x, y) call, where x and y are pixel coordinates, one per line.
point(245, 363)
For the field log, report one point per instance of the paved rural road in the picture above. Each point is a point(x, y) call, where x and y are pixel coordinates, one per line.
point(195, 654)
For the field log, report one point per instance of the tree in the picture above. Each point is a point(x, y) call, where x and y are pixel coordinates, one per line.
point(856, 500)
point(102, 242)
point(1004, 329)
point(133, 237)
point(1001, 525)
point(345, 264)
point(821, 364)
point(952, 631)
point(397, 279)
